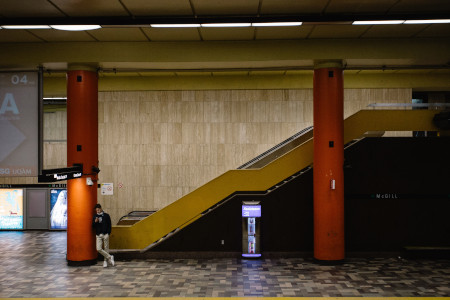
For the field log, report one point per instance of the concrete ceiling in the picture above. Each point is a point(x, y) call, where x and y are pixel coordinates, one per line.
point(127, 43)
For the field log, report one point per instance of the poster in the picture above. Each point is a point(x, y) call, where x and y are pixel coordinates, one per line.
point(19, 124)
point(58, 209)
point(11, 209)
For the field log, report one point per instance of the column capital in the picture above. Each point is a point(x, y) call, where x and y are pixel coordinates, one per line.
point(328, 63)
point(82, 67)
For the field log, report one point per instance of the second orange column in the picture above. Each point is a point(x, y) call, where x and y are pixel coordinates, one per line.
point(328, 162)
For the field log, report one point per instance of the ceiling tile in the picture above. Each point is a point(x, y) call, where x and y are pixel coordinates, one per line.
point(28, 8)
point(435, 30)
point(119, 35)
point(270, 7)
point(393, 31)
point(158, 7)
point(337, 31)
point(360, 6)
point(53, 35)
point(421, 6)
point(280, 33)
point(172, 34)
point(227, 34)
point(17, 36)
point(225, 7)
point(89, 8)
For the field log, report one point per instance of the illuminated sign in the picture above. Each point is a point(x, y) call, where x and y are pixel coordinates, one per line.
point(251, 211)
point(11, 209)
point(53, 175)
point(58, 209)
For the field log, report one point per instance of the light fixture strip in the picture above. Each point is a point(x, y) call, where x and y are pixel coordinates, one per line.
point(25, 27)
point(274, 24)
point(175, 25)
point(226, 25)
point(382, 22)
point(436, 21)
point(75, 27)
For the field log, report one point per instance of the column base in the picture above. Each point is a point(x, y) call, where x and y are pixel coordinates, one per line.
point(82, 263)
point(329, 262)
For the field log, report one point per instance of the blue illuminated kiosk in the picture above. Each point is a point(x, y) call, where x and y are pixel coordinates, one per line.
point(251, 221)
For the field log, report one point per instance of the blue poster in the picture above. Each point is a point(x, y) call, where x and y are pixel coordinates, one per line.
point(58, 209)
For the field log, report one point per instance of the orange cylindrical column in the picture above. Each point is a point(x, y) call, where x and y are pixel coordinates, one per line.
point(328, 163)
point(82, 148)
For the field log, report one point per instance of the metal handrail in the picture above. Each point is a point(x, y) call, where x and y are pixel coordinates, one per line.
point(413, 105)
point(275, 148)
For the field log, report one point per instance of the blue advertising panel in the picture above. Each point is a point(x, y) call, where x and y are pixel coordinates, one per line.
point(58, 209)
point(251, 211)
point(11, 209)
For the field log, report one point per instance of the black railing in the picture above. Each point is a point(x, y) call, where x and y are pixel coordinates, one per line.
point(275, 148)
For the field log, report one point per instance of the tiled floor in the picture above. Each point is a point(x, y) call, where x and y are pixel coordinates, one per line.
point(33, 264)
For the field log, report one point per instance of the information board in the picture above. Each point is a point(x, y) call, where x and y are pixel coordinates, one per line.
point(19, 124)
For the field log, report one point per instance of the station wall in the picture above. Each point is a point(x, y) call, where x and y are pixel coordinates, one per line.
point(156, 146)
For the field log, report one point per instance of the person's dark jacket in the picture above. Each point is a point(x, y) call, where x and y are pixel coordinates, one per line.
point(103, 226)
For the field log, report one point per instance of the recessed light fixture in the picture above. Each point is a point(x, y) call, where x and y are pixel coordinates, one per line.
point(269, 24)
point(175, 25)
point(75, 27)
point(383, 22)
point(227, 25)
point(25, 26)
point(55, 98)
point(437, 21)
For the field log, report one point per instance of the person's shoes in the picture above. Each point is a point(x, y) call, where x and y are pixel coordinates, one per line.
point(105, 264)
point(112, 260)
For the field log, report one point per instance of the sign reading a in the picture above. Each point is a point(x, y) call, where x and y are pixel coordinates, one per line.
point(19, 118)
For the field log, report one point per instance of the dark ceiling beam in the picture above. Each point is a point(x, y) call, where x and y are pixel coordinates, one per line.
point(137, 21)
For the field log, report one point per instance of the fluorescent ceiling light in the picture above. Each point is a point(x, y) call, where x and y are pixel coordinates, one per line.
point(438, 21)
point(227, 25)
point(277, 24)
point(75, 27)
point(26, 27)
point(384, 22)
point(55, 98)
point(175, 25)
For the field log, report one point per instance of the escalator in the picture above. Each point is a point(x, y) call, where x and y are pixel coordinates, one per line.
point(260, 176)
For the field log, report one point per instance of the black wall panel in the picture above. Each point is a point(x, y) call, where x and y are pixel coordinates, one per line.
point(397, 193)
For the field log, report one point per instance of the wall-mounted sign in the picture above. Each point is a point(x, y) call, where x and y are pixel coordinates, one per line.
point(251, 211)
point(52, 175)
point(107, 189)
